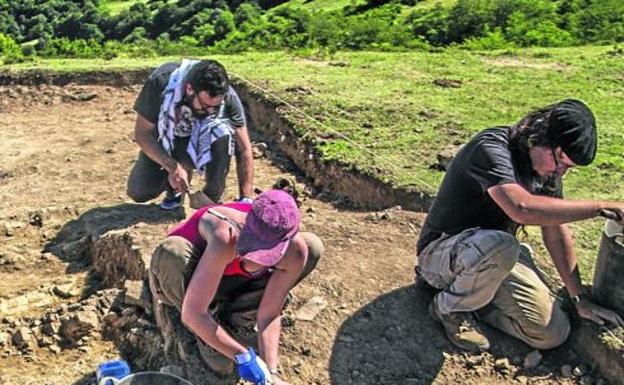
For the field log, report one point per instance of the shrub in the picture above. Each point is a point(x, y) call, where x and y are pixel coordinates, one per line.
point(10, 51)
point(491, 41)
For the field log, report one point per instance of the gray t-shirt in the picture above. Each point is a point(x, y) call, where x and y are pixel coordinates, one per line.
point(463, 201)
point(150, 98)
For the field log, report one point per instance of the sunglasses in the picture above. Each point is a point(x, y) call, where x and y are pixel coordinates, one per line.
point(560, 162)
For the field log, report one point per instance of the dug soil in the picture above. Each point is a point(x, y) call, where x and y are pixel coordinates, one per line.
point(66, 153)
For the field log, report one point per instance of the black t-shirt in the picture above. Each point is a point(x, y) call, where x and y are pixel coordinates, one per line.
point(151, 97)
point(463, 201)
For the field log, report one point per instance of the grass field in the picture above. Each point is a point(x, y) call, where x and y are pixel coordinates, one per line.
point(333, 5)
point(384, 114)
point(116, 6)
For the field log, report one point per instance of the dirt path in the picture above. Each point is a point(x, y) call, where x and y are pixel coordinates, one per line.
point(66, 153)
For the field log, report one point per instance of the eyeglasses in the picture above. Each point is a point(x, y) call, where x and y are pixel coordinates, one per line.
point(560, 161)
point(208, 109)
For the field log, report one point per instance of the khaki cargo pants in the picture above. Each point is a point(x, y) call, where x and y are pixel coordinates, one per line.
point(237, 298)
point(490, 272)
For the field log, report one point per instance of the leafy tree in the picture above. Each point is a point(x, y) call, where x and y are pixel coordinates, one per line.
point(431, 26)
point(246, 16)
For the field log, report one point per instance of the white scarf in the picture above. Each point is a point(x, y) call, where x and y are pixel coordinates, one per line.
point(204, 131)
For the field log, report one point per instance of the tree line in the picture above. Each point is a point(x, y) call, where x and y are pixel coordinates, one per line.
point(79, 28)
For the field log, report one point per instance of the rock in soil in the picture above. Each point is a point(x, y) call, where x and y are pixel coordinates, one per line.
point(78, 325)
point(580, 370)
point(65, 291)
point(133, 291)
point(503, 366)
point(23, 339)
point(311, 309)
point(566, 371)
point(532, 360)
point(587, 380)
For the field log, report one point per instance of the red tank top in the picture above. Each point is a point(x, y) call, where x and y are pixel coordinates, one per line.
point(189, 229)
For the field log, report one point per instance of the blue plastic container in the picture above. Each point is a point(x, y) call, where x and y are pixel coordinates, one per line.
point(109, 370)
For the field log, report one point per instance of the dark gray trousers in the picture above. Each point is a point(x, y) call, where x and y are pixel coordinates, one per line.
point(148, 179)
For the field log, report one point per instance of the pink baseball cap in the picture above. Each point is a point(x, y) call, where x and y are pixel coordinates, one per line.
point(269, 227)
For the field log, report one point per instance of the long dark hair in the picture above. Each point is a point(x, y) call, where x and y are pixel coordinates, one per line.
point(530, 131)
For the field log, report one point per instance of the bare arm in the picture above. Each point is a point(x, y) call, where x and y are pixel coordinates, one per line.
point(203, 287)
point(144, 134)
point(282, 280)
point(244, 162)
point(558, 241)
point(529, 209)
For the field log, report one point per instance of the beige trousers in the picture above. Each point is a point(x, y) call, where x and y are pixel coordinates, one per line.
point(490, 272)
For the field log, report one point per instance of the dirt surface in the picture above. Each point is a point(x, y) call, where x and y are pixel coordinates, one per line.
point(66, 153)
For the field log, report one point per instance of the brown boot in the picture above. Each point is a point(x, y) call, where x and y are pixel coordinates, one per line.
point(217, 362)
point(461, 329)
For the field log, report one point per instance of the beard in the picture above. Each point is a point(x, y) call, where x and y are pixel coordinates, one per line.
point(187, 102)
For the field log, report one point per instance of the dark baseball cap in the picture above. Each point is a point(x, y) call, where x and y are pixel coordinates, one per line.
point(572, 126)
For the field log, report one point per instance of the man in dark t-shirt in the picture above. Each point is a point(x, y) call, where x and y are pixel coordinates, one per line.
point(503, 178)
point(189, 117)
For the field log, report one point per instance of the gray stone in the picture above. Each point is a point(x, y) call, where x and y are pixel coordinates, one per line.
point(78, 325)
point(50, 328)
point(43, 341)
point(580, 370)
point(11, 227)
point(23, 339)
point(133, 291)
point(65, 291)
point(311, 309)
point(587, 380)
point(532, 360)
point(503, 366)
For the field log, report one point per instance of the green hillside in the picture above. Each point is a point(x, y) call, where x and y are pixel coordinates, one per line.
point(115, 7)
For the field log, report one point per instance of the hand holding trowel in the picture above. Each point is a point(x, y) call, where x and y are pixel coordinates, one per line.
point(198, 199)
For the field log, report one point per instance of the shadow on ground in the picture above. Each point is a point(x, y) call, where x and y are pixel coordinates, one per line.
point(388, 341)
point(392, 340)
point(70, 243)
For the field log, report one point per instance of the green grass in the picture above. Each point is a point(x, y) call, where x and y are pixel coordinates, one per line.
point(333, 5)
point(325, 5)
point(426, 4)
point(115, 7)
point(397, 121)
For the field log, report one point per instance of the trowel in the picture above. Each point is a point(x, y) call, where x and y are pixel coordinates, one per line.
point(198, 199)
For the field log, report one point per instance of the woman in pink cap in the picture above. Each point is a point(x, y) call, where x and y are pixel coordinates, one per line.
point(229, 262)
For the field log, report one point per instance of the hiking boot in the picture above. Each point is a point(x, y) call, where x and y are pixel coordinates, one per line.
point(217, 362)
point(172, 201)
point(461, 329)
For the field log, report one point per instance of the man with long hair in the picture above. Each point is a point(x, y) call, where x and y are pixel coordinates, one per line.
point(504, 178)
